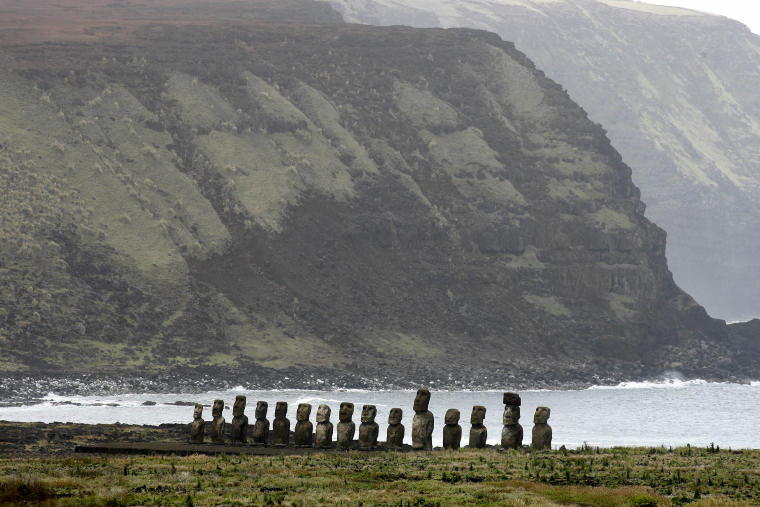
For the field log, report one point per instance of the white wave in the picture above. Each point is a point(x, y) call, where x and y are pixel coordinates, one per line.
point(672, 383)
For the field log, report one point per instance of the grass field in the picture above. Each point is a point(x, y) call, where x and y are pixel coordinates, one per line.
point(589, 476)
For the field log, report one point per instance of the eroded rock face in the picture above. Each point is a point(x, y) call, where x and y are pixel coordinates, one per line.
point(478, 432)
point(261, 426)
point(217, 423)
point(368, 429)
point(480, 166)
point(280, 425)
point(198, 426)
point(346, 427)
point(239, 425)
point(395, 435)
point(452, 431)
point(324, 434)
point(423, 422)
point(542, 432)
point(303, 434)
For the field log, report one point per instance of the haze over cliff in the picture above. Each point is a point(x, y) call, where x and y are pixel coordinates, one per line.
point(677, 92)
point(249, 195)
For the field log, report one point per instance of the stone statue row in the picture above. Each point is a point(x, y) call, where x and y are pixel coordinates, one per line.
point(422, 426)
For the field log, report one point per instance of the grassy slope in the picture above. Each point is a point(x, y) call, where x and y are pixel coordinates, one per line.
point(322, 196)
point(610, 477)
point(676, 91)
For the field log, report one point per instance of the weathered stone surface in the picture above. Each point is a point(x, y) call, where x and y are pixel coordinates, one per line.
point(478, 432)
point(198, 426)
point(261, 426)
point(304, 432)
point(423, 422)
point(394, 438)
point(512, 399)
point(323, 438)
point(306, 210)
point(542, 432)
point(239, 425)
point(217, 423)
point(280, 425)
point(346, 427)
point(512, 432)
point(452, 431)
point(368, 429)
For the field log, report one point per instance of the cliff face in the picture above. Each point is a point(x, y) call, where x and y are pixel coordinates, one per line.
point(346, 197)
point(677, 91)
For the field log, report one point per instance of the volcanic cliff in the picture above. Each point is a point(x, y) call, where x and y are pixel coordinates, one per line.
point(241, 196)
point(677, 90)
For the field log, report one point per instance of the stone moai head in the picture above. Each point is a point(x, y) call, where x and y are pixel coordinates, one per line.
point(395, 416)
point(422, 400)
point(346, 411)
point(303, 412)
point(281, 410)
point(198, 411)
point(216, 410)
point(478, 414)
point(452, 416)
point(542, 415)
point(512, 399)
point(239, 407)
point(368, 413)
point(261, 409)
point(511, 415)
point(323, 414)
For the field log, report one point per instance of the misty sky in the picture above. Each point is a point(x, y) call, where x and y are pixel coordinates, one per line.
point(746, 11)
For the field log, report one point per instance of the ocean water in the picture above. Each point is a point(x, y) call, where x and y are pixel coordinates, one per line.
point(670, 413)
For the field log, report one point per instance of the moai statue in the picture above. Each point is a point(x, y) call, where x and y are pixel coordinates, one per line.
point(452, 432)
point(324, 427)
point(423, 422)
point(198, 426)
point(261, 426)
point(542, 432)
point(346, 427)
point(239, 425)
point(217, 424)
point(303, 434)
point(478, 432)
point(281, 424)
point(394, 438)
point(512, 433)
point(368, 429)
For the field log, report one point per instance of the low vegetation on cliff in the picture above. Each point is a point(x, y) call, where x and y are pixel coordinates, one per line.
point(349, 198)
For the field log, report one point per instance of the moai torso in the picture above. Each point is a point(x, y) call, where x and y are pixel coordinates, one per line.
point(303, 434)
point(280, 425)
point(542, 432)
point(217, 423)
point(239, 425)
point(198, 426)
point(394, 438)
point(478, 432)
point(368, 429)
point(261, 426)
point(512, 432)
point(452, 432)
point(423, 422)
point(346, 427)
point(324, 428)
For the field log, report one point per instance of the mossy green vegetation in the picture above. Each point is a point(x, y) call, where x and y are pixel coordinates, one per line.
point(589, 476)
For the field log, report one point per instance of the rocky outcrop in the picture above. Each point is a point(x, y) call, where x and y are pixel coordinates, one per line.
point(676, 89)
point(346, 198)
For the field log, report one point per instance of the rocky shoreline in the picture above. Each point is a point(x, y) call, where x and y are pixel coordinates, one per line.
point(21, 389)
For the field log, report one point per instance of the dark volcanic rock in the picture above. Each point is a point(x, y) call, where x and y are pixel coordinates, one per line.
point(390, 201)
